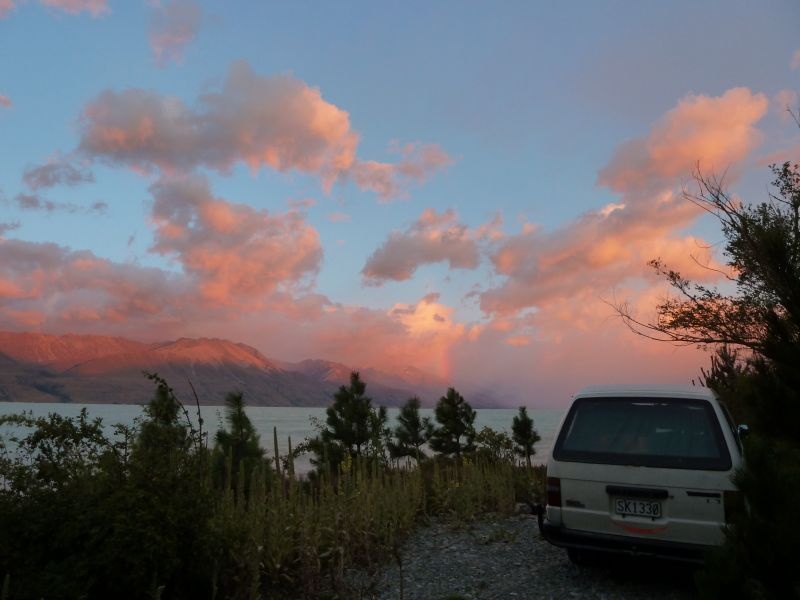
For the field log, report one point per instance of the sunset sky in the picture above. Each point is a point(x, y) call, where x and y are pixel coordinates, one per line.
point(459, 186)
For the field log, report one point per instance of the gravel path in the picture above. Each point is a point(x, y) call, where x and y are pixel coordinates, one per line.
point(507, 559)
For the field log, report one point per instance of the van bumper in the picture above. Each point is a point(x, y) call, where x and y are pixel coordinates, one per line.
point(616, 544)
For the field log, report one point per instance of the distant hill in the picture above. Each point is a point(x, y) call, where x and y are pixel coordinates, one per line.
point(99, 369)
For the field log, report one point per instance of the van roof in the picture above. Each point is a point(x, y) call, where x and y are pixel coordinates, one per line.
point(647, 390)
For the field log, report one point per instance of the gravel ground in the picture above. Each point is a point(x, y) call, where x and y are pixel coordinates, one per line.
point(507, 559)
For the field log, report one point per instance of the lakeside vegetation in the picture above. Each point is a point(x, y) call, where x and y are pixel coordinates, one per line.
point(156, 510)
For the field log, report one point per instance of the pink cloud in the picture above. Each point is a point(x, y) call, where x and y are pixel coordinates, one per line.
point(715, 132)
point(53, 283)
point(338, 217)
point(6, 6)
point(418, 163)
point(278, 122)
point(5, 101)
point(795, 64)
point(172, 26)
point(236, 253)
point(421, 334)
point(785, 101)
point(275, 122)
point(434, 237)
point(605, 248)
point(74, 7)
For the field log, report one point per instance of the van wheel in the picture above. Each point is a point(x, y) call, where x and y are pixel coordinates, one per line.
point(581, 558)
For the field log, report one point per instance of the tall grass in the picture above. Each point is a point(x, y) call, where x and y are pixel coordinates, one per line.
point(297, 538)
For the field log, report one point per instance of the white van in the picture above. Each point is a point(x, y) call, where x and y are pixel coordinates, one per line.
point(642, 470)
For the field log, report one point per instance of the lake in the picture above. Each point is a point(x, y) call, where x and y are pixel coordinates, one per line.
point(294, 422)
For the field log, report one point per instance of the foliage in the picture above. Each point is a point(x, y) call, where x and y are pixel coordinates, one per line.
point(411, 433)
point(494, 445)
point(84, 514)
point(237, 450)
point(524, 435)
point(761, 320)
point(456, 420)
point(353, 428)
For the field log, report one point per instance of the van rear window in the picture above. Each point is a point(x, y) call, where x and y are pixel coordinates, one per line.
point(648, 432)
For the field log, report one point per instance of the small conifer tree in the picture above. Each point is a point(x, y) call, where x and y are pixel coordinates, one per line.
point(411, 433)
point(524, 435)
point(456, 420)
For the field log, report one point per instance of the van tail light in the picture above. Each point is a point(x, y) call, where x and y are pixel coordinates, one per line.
point(734, 505)
point(553, 491)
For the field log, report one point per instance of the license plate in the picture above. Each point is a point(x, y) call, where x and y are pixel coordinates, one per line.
point(637, 508)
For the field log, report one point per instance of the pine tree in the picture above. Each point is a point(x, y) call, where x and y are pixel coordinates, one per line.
point(352, 427)
point(237, 447)
point(524, 435)
point(456, 421)
point(411, 433)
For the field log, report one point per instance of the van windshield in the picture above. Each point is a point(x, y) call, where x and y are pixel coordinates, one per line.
point(651, 432)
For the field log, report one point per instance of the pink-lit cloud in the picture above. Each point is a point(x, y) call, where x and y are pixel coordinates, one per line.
point(173, 25)
point(237, 254)
point(59, 170)
point(74, 7)
point(421, 334)
point(795, 62)
point(275, 122)
point(605, 248)
point(57, 285)
point(6, 6)
point(785, 103)
point(278, 122)
point(5, 101)
point(434, 237)
point(714, 132)
point(418, 163)
point(339, 217)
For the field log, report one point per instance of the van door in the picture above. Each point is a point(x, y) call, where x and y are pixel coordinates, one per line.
point(644, 467)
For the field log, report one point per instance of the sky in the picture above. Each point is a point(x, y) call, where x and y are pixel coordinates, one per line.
point(462, 187)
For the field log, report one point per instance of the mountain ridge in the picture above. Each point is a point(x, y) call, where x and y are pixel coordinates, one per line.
point(37, 367)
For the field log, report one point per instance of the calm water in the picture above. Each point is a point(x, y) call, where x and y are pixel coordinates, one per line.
point(291, 422)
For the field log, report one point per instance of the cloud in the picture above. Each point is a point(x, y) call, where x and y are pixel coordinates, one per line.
point(237, 254)
point(276, 122)
point(795, 64)
point(57, 171)
point(5, 101)
point(418, 163)
point(172, 26)
point(74, 7)
point(434, 237)
point(6, 6)
point(715, 132)
point(6, 227)
point(34, 202)
point(784, 102)
point(421, 334)
point(59, 286)
point(338, 217)
point(602, 249)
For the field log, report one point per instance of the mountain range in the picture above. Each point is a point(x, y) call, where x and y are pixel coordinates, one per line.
point(38, 367)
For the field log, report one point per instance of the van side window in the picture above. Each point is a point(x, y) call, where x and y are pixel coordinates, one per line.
point(732, 425)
